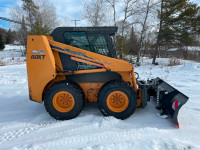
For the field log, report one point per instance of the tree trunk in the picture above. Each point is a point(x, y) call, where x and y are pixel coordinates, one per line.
point(143, 31)
point(158, 38)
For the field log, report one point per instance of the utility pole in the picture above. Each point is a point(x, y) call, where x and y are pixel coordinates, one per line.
point(75, 21)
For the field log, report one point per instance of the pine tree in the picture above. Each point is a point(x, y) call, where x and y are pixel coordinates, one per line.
point(133, 43)
point(179, 23)
point(31, 10)
point(39, 29)
point(9, 37)
point(2, 44)
point(122, 45)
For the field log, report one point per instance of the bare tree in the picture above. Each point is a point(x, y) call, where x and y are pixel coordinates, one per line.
point(143, 29)
point(129, 8)
point(112, 3)
point(17, 14)
point(148, 6)
point(95, 12)
point(47, 14)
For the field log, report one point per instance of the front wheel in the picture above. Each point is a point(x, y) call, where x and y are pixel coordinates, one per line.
point(117, 99)
point(64, 101)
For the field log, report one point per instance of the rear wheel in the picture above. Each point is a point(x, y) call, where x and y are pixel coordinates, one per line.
point(117, 99)
point(64, 101)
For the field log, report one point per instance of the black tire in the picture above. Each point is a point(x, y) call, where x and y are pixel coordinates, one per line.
point(122, 87)
point(70, 87)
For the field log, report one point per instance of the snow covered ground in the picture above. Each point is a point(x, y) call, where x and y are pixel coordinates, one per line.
point(26, 125)
point(12, 54)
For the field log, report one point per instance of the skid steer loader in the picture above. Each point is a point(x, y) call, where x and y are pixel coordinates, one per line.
point(76, 65)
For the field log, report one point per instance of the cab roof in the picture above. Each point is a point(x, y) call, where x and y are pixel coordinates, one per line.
point(104, 30)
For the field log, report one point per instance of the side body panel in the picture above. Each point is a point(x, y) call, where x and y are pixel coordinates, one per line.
point(40, 66)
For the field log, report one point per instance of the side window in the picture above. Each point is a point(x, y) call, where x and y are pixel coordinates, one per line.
point(77, 39)
point(80, 40)
point(98, 44)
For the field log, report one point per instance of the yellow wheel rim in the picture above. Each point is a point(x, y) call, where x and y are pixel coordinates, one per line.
point(63, 101)
point(117, 101)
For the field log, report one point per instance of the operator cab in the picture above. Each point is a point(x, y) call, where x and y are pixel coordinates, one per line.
point(95, 39)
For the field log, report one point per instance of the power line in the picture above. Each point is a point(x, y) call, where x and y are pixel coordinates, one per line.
point(22, 23)
point(6, 19)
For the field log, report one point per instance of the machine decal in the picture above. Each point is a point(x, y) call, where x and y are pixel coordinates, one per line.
point(37, 56)
point(175, 105)
point(38, 51)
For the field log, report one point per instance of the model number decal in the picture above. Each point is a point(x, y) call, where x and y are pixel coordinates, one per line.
point(37, 56)
point(38, 51)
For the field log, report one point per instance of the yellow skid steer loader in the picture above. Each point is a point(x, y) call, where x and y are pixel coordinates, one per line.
point(76, 65)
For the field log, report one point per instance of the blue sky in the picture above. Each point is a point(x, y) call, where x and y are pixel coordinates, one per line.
point(65, 9)
point(4, 6)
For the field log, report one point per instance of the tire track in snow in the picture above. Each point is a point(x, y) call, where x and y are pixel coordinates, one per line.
point(46, 127)
point(65, 135)
point(102, 137)
point(59, 127)
point(14, 134)
point(76, 135)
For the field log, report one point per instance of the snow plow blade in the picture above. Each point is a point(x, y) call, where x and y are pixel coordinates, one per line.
point(168, 99)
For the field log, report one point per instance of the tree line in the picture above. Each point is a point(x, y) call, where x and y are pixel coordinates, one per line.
point(145, 26)
point(38, 17)
point(6, 37)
